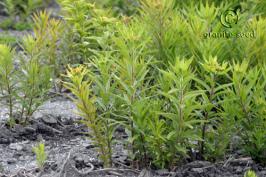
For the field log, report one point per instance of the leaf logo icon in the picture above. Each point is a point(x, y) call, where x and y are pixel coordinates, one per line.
point(229, 18)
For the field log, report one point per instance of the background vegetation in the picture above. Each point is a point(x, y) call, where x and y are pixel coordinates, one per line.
point(150, 68)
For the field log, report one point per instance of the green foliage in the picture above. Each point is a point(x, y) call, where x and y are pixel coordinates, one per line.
point(179, 91)
point(27, 86)
point(47, 32)
point(22, 9)
point(43, 46)
point(156, 139)
point(20, 26)
point(6, 24)
point(103, 88)
point(156, 16)
point(212, 99)
point(41, 155)
point(34, 84)
point(133, 86)
point(192, 30)
point(250, 173)
point(248, 107)
point(85, 101)
point(7, 80)
point(126, 7)
point(38, 65)
point(86, 30)
point(171, 107)
point(179, 108)
point(11, 122)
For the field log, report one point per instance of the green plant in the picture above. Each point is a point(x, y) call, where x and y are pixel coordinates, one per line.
point(131, 75)
point(36, 66)
point(85, 101)
point(254, 49)
point(7, 74)
point(47, 32)
point(141, 115)
point(8, 39)
point(22, 9)
point(156, 15)
point(41, 155)
point(43, 46)
point(6, 24)
point(34, 84)
point(86, 30)
point(11, 122)
point(179, 109)
point(24, 87)
point(20, 26)
point(150, 134)
point(156, 138)
point(248, 104)
point(127, 7)
point(212, 98)
point(102, 77)
point(250, 173)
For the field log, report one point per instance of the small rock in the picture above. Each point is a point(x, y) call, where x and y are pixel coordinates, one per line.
point(96, 162)
point(145, 173)
point(11, 161)
point(120, 158)
point(198, 170)
point(5, 140)
point(15, 146)
point(22, 158)
point(19, 129)
point(239, 170)
point(242, 162)
point(29, 129)
point(163, 172)
point(86, 162)
point(198, 164)
point(59, 108)
point(79, 160)
point(120, 129)
point(17, 154)
point(49, 119)
point(90, 146)
point(263, 173)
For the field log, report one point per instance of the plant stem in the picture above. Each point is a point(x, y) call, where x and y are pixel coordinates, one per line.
point(206, 117)
point(10, 101)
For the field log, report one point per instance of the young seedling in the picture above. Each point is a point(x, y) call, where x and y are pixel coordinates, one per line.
point(41, 155)
point(250, 173)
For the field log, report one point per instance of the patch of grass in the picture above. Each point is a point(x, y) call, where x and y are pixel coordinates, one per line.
point(22, 26)
point(19, 26)
point(8, 39)
point(6, 24)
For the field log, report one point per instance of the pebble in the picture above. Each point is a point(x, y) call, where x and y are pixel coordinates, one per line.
point(15, 146)
point(11, 161)
point(163, 172)
point(49, 119)
point(197, 170)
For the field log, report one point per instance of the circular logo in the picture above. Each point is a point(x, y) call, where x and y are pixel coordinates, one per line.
point(229, 18)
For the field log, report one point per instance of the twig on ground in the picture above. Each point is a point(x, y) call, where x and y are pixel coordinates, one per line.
point(227, 161)
point(64, 165)
point(116, 170)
